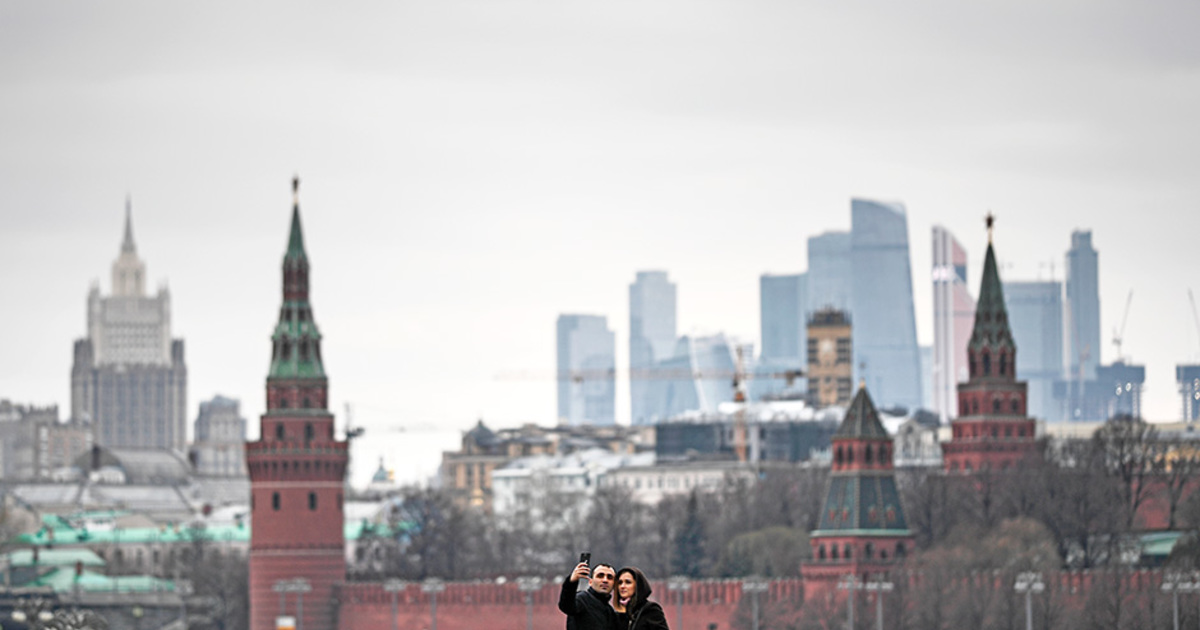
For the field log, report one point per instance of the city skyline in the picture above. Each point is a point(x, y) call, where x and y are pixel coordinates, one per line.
point(470, 172)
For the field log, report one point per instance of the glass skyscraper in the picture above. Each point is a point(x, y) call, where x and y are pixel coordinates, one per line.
point(783, 302)
point(829, 279)
point(1083, 307)
point(1035, 313)
point(586, 370)
point(651, 338)
point(953, 320)
point(885, 327)
point(677, 390)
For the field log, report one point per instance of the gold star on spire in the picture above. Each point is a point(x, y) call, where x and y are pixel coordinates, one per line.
point(991, 223)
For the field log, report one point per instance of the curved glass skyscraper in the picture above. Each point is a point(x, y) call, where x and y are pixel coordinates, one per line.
point(885, 327)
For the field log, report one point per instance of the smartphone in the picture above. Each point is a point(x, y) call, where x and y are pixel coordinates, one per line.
point(586, 558)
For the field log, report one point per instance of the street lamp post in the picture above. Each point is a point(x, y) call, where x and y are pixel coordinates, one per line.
point(529, 585)
point(433, 586)
point(184, 588)
point(1176, 583)
point(850, 583)
point(1029, 582)
point(678, 584)
point(394, 587)
point(879, 587)
point(299, 586)
point(754, 585)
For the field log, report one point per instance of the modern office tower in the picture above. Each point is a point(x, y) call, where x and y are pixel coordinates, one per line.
point(651, 336)
point(1082, 308)
point(1035, 312)
point(697, 378)
point(1188, 377)
point(829, 272)
point(219, 449)
point(1120, 386)
point(830, 358)
point(782, 313)
point(297, 467)
point(1116, 391)
point(129, 378)
point(586, 370)
point(953, 317)
point(783, 304)
point(885, 327)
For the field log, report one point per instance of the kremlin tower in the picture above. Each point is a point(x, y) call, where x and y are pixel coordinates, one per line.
point(297, 467)
point(991, 431)
point(862, 531)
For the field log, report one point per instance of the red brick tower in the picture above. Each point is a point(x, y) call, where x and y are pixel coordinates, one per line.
point(991, 431)
point(297, 467)
point(862, 531)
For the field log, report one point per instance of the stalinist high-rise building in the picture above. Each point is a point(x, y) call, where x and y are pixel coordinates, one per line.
point(129, 378)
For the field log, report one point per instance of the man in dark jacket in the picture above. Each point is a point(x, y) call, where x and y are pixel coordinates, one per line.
point(588, 609)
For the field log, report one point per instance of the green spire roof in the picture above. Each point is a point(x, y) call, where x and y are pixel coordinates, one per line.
point(862, 421)
point(295, 247)
point(991, 317)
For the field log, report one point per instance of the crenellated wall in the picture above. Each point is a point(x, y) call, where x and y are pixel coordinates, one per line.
point(464, 606)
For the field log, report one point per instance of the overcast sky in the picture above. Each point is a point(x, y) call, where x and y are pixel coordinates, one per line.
point(472, 169)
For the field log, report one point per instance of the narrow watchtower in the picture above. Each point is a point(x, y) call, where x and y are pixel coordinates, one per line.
point(297, 467)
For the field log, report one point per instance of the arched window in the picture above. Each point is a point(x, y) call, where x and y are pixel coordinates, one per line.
point(1016, 406)
point(900, 551)
point(837, 457)
point(1003, 363)
point(869, 551)
point(846, 551)
point(833, 548)
point(275, 502)
point(987, 364)
point(995, 405)
point(308, 429)
point(821, 552)
point(279, 431)
point(867, 455)
point(312, 501)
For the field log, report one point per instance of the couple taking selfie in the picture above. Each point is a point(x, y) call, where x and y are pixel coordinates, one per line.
point(614, 600)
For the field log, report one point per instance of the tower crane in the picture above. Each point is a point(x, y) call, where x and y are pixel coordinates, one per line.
point(1119, 333)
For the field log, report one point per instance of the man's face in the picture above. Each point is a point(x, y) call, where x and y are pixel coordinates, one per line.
point(626, 586)
point(602, 579)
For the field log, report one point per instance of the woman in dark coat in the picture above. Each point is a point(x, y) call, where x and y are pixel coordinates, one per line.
point(634, 610)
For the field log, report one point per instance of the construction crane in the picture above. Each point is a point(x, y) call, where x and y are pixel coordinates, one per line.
point(1119, 333)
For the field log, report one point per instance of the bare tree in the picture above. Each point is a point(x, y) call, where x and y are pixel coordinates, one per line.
point(1127, 448)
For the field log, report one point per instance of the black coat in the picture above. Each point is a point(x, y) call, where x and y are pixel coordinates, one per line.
point(641, 614)
point(586, 609)
point(649, 617)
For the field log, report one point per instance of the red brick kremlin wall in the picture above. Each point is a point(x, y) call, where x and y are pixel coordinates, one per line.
point(469, 606)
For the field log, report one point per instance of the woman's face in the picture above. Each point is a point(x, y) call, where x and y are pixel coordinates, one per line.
point(626, 586)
